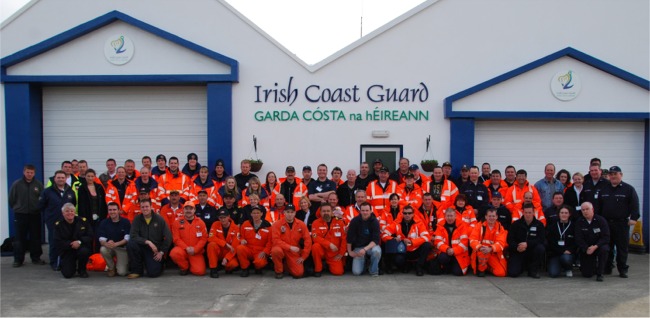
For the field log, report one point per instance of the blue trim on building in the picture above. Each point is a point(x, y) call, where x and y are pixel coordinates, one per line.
point(461, 144)
point(570, 52)
point(24, 131)
point(23, 96)
point(102, 21)
point(645, 211)
point(462, 123)
point(220, 127)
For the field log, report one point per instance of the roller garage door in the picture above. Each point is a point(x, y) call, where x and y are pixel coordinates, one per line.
point(569, 145)
point(97, 123)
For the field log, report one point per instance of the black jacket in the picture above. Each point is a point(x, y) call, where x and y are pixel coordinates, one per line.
point(594, 233)
point(65, 233)
point(361, 233)
point(568, 238)
point(533, 234)
point(84, 199)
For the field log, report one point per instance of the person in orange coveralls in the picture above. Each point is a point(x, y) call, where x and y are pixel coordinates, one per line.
point(329, 242)
point(222, 241)
point(488, 240)
point(190, 237)
point(452, 241)
point(291, 244)
point(254, 243)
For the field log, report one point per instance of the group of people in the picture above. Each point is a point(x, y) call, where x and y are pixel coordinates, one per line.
point(374, 221)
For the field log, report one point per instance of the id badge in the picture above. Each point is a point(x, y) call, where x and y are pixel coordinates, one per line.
point(560, 243)
point(199, 234)
point(534, 228)
point(207, 216)
point(597, 230)
point(337, 234)
point(479, 197)
point(258, 236)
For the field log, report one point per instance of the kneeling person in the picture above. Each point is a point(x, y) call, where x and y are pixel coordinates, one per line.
point(488, 240)
point(329, 243)
point(223, 239)
point(73, 237)
point(190, 237)
point(363, 241)
point(452, 242)
point(527, 244)
point(414, 235)
point(255, 243)
point(113, 236)
point(149, 240)
point(291, 244)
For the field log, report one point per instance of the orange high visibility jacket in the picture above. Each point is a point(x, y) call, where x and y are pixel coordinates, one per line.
point(539, 214)
point(170, 214)
point(264, 198)
point(459, 242)
point(349, 213)
point(129, 195)
point(418, 234)
point(503, 188)
point(325, 234)
point(467, 215)
point(258, 241)
point(187, 234)
point(428, 217)
point(285, 236)
point(411, 196)
point(180, 182)
point(496, 238)
point(275, 191)
point(210, 188)
point(515, 195)
point(299, 192)
point(378, 197)
point(273, 215)
point(447, 194)
point(217, 236)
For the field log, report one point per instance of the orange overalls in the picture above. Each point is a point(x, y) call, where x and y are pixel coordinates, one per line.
point(187, 234)
point(459, 242)
point(217, 250)
point(496, 238)
point(284, 237)
point(256, 242)
point(170, 214)
point(323, 235)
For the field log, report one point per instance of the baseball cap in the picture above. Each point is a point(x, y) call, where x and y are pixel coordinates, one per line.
point(409, 175)
point(290, 207)
point(161, 156)
point(464, 168)
point(497, 195)
point(378, 161)
point(291, 169)
point(447, 164)
point(383, 169)
point(221, 213)
point(306, 168)
point(188, 203)
point(143, 190)
point(614, 169)
point(414, 167)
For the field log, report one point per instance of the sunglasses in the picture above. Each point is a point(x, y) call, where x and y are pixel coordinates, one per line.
point(407, 212)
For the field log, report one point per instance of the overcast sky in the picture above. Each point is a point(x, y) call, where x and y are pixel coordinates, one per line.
point(311, 29)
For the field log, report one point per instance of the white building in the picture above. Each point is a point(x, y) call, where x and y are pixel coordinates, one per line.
point(487, 80)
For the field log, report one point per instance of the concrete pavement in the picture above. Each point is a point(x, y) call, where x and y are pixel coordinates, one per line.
point(34, 290)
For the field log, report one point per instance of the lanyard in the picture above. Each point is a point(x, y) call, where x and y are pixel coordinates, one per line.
point(562, 232)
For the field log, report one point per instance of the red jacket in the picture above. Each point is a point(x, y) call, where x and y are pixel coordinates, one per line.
point(187, 234)
point(459, 242)
point(170, 215)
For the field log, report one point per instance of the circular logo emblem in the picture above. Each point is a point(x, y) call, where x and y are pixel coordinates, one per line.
point(565, 85)
point(119, 49)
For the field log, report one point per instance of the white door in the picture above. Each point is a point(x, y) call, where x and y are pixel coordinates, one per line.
point(97, 123)
point(530, 145)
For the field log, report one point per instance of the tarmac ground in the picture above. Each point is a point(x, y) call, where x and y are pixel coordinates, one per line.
point(36, 290)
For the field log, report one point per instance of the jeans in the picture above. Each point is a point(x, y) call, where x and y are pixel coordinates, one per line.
point(559, 263)
point(358, 263)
